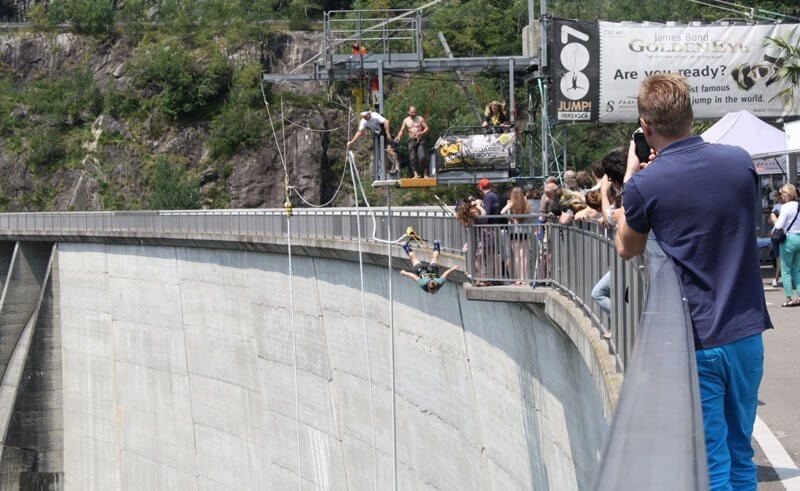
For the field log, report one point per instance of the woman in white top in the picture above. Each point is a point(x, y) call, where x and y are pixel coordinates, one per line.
point(790, 249)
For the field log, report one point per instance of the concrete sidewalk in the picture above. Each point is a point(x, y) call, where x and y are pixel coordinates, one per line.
point(779, 398)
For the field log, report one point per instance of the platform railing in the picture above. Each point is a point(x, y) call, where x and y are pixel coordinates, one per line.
point(582, 253)
point(502, 253)
point(379, 32)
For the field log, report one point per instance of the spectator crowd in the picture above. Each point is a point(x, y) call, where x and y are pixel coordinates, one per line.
point(510, 242)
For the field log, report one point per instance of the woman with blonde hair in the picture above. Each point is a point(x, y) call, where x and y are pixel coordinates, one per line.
point(787, 232)
point(496, 118)
point(520, 210)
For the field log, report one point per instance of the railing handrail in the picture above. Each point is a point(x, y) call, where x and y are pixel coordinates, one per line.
point(338, 223)
point(330, 12)
point(656, 439)
point(251, 211)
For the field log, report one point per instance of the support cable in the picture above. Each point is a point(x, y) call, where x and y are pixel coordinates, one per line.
point(364, 325)
point(320, 130)
point(366, 201)
point(391, 333)
point(293, 325)
point(283, 160)
point(341, 179)
point(294, 349)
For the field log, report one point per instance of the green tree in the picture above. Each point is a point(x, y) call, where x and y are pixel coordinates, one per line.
point(234, 128)
point(70, 99)
point(170, 188)
point(183, 83)
point(85, 16)
point(45, 147)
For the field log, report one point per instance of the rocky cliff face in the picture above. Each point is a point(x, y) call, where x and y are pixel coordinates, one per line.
point(112, 174)
point(12, 10)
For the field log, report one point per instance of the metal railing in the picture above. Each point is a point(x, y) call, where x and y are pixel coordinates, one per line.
point(378, 32)
point(573, 259)
point(582, 253)
point(506, 252)
point(330, 223)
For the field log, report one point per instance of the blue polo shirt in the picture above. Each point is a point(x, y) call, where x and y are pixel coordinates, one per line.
point(699, 200)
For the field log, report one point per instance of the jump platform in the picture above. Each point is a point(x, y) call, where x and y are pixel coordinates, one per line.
point(406, 182)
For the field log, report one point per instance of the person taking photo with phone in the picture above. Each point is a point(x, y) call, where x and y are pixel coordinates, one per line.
point(711, 239)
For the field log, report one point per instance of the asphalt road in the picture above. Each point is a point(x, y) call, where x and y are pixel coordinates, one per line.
point(779, 405)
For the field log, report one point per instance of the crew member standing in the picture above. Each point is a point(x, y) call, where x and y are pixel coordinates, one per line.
point(417, 129)
point(379, 126)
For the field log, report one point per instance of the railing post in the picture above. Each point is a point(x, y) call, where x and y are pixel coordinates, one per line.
point(420, 55)
point(471, 244)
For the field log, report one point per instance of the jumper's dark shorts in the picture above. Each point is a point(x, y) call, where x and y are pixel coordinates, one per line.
point(386, 140)
point(423, 269)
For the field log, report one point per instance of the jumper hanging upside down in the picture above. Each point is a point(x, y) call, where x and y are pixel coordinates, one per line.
point(427, 276)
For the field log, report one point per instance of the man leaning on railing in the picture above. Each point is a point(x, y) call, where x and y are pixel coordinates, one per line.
point(710, 236)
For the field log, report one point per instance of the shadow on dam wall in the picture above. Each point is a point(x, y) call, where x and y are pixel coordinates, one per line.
point(177, 368)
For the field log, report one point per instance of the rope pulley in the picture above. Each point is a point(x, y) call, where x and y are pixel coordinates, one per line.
point(287, 205)
point(287, 208)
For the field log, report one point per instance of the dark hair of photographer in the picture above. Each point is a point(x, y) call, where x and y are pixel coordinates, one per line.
point(615, 164)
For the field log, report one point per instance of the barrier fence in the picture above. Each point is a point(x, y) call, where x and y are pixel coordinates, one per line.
point(505, 253)
point(330, 223)
point(571, 258)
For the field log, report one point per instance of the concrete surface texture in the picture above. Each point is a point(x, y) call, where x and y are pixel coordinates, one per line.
point(178, 374)
point(779, 395)
point(30, 392)
point(21, 294)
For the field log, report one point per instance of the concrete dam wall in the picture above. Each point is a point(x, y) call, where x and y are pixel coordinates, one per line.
point(177, 373)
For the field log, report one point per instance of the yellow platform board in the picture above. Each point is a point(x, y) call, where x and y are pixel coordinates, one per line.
point(420, 182)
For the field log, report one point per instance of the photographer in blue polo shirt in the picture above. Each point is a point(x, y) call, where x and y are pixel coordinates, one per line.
point(711, 238)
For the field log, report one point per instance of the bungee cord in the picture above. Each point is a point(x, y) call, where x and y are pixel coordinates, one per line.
point(357, 185)
point(366, 332)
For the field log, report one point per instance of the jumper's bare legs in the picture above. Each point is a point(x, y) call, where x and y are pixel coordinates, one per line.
point(393, 159)
point(436, 252)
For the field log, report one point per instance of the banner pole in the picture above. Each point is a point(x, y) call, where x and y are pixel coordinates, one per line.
point(544, 73)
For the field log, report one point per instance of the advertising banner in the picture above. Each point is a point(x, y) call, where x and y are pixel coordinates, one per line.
point(575, 68)
point(459, 152)
point(729, 68)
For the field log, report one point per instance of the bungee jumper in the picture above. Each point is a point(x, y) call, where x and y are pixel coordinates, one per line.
point(427, 276)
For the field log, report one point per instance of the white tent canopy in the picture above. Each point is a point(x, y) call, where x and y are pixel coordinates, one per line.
point(745, 130)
